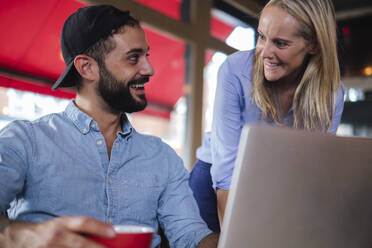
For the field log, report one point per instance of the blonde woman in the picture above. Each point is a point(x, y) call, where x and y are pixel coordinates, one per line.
point(292, 79)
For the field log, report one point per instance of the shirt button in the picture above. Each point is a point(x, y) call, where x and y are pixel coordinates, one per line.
point(109, 180)
point(93, 125)
point(99, 142)
point(110, 220)
point(85, 130)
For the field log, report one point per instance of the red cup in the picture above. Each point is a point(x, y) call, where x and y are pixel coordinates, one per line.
point(128, 236)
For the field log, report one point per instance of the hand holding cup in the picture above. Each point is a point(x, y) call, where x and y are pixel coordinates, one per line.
point(128, 236)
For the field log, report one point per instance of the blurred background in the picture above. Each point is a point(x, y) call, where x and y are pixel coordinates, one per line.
point(189, 40)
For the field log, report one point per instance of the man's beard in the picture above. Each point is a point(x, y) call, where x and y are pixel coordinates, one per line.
point(116, 93)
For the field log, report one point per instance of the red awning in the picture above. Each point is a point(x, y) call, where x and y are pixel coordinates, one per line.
point(30, 45)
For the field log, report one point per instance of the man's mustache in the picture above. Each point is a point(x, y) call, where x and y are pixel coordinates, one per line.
point(140, 80)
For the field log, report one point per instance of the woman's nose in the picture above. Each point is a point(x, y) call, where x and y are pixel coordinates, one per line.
point(266, 50)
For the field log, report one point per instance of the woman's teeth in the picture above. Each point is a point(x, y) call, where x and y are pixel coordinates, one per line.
point(272, 64)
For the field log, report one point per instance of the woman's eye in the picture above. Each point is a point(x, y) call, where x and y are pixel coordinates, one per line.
point(260, 36)
point(281, 44)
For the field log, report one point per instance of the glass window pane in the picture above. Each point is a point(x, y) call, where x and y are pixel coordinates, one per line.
point(26, 105)
point(213, 63)
point(234, 32)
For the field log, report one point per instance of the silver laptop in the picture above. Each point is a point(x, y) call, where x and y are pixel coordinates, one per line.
point(296, 189)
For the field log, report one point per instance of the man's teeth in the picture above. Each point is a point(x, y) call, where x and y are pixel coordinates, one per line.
point(137, 85)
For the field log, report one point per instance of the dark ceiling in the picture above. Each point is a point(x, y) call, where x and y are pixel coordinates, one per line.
point(347, 5)
point(340, 5)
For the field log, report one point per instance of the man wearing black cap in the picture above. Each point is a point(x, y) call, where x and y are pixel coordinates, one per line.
point(88, 160)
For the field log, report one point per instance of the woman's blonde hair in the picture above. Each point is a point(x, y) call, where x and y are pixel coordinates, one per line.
point(320, 82)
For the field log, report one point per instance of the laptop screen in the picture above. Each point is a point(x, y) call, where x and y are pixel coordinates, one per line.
point(293, 188)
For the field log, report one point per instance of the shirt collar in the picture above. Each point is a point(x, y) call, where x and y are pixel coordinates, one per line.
point(85, 123)
point(126, 126)
point(248, 65)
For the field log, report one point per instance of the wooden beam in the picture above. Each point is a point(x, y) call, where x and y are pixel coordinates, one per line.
point(151, 18)
point(250, 7)
point(218, 45)
point(25, 77)
point(364, 83)
point(200, 13)
point(353, 13)
point(188, 32)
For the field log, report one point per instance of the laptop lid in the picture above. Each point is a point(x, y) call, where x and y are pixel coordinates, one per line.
point(293, 188)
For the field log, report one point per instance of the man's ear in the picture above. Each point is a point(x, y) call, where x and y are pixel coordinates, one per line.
point(87, 67)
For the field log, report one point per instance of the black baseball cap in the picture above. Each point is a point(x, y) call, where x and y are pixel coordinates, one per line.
point(81, 30)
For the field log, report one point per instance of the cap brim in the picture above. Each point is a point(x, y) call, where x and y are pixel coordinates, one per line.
point(68, 77)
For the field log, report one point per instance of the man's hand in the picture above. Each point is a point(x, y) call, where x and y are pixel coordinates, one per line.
point(58, 232)
point(210, 241)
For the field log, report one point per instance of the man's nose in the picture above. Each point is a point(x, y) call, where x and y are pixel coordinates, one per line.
point(147, 68)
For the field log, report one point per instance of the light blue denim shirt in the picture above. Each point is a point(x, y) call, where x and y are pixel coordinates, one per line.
point(58, 166)
point(234, 108)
